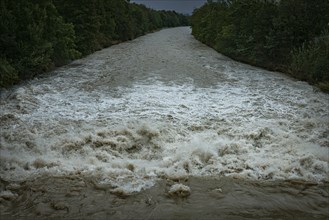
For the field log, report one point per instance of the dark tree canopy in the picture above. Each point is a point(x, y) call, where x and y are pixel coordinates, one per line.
point(36, 35)
point(288, 35)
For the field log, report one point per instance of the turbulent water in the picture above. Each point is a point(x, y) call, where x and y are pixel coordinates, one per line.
point(163, 126)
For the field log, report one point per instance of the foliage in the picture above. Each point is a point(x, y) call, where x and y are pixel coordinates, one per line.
point(36, 35)
point(310, 62)
point(9, 76)
point(267, 32)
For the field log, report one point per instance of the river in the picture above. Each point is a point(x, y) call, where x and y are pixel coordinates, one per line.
point(163, 127)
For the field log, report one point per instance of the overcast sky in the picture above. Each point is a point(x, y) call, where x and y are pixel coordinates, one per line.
point(182, 6)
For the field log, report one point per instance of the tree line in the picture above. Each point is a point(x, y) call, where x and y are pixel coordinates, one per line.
point(38, 35)
point(285, 35)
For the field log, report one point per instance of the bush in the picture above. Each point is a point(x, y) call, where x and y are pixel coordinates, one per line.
point(8, 74)
point(310, 62)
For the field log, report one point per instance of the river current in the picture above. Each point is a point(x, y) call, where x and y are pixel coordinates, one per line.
point(163, 127)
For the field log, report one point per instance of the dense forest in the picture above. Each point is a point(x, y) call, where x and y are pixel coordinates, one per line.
point(37, 35)
point(288, 35)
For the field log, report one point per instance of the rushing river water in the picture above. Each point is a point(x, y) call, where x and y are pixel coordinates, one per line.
point(164, 127)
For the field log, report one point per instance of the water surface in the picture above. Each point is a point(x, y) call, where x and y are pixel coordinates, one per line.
point(131, 121)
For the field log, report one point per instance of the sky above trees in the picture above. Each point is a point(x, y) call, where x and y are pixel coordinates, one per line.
point(182, 6)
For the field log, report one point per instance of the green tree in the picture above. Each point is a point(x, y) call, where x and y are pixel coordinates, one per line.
point(36, 35)
point(267, 32)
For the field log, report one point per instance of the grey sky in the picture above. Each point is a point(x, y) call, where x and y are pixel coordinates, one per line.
point(182, 6)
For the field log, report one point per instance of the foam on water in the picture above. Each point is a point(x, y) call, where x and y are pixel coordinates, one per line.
point(248, 123)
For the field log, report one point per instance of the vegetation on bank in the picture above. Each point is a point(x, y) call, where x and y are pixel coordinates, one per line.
point(288, 35)
point(36, 35)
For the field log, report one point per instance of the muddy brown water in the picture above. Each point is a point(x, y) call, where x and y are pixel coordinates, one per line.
point(163, 127)
point(210, 198)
